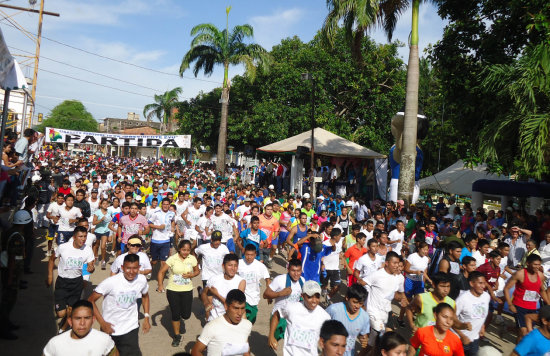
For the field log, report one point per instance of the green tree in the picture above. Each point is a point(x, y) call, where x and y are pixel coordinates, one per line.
point(357, 17)
point(69, 115)
point(162, 107)
point(211, 47)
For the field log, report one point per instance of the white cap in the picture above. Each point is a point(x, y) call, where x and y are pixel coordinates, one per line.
point(271, 186)
point(311, 288)
point(306, 196)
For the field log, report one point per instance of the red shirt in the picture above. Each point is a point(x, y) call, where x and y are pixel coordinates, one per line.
point(491, 274)
point(64, 191)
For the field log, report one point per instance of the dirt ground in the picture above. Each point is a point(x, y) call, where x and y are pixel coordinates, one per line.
point(34, 313)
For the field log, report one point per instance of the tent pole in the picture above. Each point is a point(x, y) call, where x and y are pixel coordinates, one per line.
point(4, 117)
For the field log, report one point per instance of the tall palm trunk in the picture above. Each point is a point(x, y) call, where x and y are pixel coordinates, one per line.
point(222, 138)
point(408, 155)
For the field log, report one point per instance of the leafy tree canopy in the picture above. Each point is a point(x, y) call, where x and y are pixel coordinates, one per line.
point(70, 115)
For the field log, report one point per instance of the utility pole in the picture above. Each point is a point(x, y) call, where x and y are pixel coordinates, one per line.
point(41, 14)
point(36, 59)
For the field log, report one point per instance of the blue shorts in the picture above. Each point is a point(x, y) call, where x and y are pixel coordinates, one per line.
point(282, 237)
point(413, 287)
point(159, 252)
point(122, 247)
point(99, 235)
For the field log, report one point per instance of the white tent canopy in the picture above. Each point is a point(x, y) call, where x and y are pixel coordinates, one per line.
point(326, 143)
point(458, 179)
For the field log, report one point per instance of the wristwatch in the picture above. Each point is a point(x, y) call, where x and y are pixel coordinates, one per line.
point(147, 315)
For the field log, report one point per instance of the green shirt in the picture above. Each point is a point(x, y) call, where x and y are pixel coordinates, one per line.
point(426, 315)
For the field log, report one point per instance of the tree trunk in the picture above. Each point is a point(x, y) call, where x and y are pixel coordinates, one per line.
point(222, 138)
point(408, 155)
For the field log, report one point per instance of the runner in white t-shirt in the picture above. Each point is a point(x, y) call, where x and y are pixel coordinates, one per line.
point(252, 271)
point(69, 285)
point(224, 223)
point(304, 321)
point(228, 334)
point(162, 222)
point(53, 215)
point(369, 263)
point(204, 226)
point(397, 237)
point(217, 287)
point(119, 315)
point(67, 220)
point(191, 216)
point(383, 286)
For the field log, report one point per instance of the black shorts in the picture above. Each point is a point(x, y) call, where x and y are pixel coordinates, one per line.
point(333, 276)
point(127, 344)
point(520, 316)
point(67, 292)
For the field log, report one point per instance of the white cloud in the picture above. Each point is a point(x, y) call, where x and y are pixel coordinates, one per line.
point(270, 29)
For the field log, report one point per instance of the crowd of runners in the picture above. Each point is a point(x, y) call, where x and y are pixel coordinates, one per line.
point(451, 270)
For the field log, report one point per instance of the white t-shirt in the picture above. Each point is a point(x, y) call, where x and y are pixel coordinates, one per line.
point(223, 286)
point(72, 259)
point(180, 208)
point(162, 218)
point(253, 274)
point(382, 287)
point(474, 310)
point(303, 328)
point(144, 262)
point(242, 209)
point(332, 260)
point(119, 301)
point(396, 235)
point(204, 223)
point(225, 224)
point(417, 264)
point(366, 266)
point(212, 259)
point(278, 284)
point(96, 343)
point(480, 259)
point(367, 233)
point(193, 215)
point(224, 338)
point(65, 215)
point(53, 209)
point(93, 207)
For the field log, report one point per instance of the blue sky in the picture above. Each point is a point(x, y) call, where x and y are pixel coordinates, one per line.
point(155, 34)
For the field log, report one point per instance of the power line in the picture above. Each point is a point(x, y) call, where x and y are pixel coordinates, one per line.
point(113, 59)
point(89, 71)
point(90, 82)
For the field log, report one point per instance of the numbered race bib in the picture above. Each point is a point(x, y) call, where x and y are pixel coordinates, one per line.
point(531, 296)
point(235, 349)
point(126, 300)
point(304, 338)
point(73, 263)
point(429, 240)
point(479, 311)
point(254, 238)
point(350, 344)
point(455, 267)
point(415, 277)
point(180, 280)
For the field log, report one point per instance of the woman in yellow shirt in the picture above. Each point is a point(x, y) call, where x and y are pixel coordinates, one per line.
point(183, 267)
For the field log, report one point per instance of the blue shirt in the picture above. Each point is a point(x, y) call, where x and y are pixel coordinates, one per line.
point(465, 252)
point(360, 325)
point(250, 240)
point(311, 261)
point(533, 344)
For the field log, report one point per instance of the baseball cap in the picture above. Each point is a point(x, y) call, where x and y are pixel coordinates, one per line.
point(320, 197)
point(246, 200)
point(271, 186)
point(217, 234)
point(134, 241)
point(314, 217)
point(505, 225)
point(95, 191)
point(311, 288)
point(306, 196)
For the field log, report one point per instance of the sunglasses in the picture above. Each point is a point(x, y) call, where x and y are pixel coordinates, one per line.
point(135, 245)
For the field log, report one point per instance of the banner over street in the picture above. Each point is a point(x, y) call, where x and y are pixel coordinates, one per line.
point(95, 138)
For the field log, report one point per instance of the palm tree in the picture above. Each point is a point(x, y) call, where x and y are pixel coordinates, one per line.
point(360, 15)
point(211, 47)
point(162, 107)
